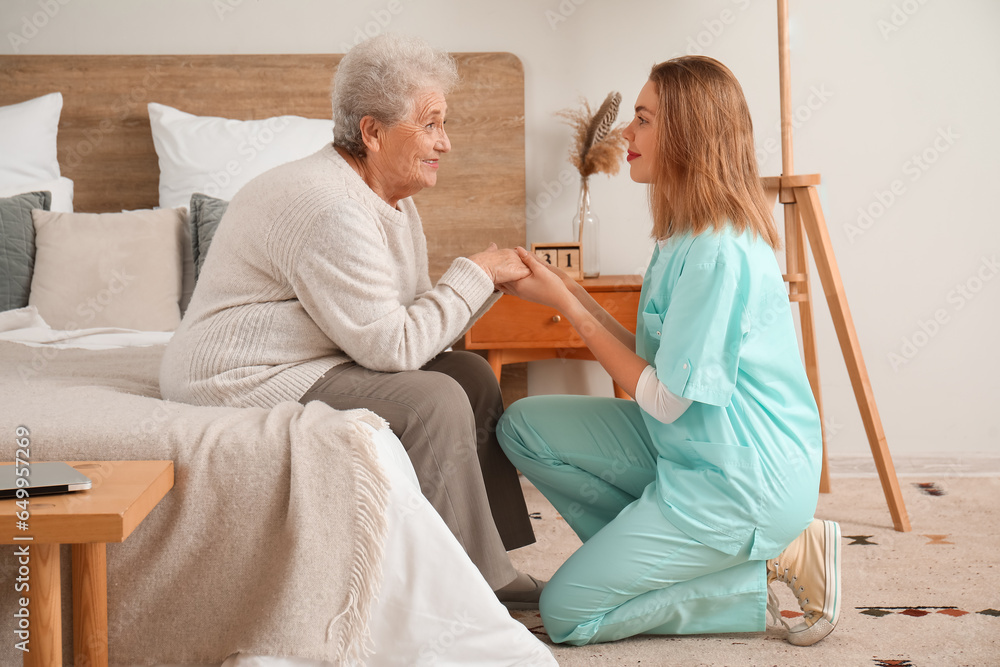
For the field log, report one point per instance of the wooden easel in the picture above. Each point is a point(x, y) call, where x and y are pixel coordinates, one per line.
point(802, 210)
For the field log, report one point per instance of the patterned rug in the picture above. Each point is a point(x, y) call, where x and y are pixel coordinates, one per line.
point(926, 598)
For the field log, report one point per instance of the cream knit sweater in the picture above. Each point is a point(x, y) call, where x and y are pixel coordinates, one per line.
point(309, 269)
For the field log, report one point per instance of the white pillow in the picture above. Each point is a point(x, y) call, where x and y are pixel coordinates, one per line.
point(218, 156)
point(28, 141)
point(108, 269)
point(61, 189)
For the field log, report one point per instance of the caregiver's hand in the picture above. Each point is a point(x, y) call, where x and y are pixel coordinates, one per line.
point(546, 285)
point(501, 265)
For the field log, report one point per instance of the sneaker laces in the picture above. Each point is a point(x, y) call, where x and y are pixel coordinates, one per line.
point(774, 611)
point(781, 574)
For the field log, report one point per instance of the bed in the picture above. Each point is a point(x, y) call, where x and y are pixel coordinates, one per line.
point(269, 545)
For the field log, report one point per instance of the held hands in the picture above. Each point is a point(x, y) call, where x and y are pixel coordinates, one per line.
point(546, 284)
point(501, 265)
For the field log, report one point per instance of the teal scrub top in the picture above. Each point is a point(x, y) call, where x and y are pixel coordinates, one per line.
point(743, 461)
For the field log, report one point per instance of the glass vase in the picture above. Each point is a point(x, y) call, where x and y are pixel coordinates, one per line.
point(586, 232)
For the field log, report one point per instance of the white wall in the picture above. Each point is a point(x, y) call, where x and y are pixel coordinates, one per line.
point(877, 84)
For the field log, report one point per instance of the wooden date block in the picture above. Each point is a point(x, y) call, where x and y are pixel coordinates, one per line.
point(565, 256)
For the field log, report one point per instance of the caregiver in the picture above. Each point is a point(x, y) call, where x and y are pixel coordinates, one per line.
point(691, 499)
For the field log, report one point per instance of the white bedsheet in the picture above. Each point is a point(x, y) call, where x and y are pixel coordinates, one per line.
point(25, 325)
point(433, 609)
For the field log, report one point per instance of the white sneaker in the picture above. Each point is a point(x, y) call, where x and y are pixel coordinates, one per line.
point(811, 567)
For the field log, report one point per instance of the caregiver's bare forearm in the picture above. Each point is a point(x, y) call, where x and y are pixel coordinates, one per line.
point(622, 363)
point(607, 320)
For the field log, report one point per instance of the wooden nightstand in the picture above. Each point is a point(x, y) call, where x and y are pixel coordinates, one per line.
point(513, 330)
point(124, 492)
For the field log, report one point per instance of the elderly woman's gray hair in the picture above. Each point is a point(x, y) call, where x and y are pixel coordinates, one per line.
point(379, 78)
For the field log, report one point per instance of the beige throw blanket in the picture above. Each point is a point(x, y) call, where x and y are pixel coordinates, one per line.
point(269, 543)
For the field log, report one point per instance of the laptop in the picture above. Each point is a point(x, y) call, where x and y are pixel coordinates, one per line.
point(45, 477)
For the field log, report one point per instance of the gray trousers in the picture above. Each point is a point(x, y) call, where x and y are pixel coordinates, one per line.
point(445, 414)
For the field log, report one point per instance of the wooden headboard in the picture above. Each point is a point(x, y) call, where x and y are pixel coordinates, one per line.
point(106, 147)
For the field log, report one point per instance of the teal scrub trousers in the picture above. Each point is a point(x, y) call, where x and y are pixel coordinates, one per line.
point(636, 572)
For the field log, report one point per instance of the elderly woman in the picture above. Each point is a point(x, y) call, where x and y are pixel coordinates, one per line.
point(317, 289)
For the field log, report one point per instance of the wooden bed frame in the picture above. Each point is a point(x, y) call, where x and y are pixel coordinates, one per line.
point(106, 147)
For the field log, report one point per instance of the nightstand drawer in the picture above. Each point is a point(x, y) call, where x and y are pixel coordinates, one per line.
point(513, 323)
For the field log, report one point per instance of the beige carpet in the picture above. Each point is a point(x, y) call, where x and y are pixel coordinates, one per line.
point(927, 598)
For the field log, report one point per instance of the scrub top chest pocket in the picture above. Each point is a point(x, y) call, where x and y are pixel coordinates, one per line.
point(653, 302)
point(648, 341)
point(651, 330)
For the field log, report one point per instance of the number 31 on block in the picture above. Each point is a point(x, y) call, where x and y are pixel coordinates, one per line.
point(565, 256)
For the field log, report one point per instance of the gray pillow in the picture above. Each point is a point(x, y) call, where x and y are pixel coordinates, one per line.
point(17, 246)
point(206, 213)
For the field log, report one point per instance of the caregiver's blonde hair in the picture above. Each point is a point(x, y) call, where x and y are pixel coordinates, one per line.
point(706, 175)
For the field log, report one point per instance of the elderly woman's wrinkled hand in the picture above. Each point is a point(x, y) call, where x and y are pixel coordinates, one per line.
point(502, 265)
